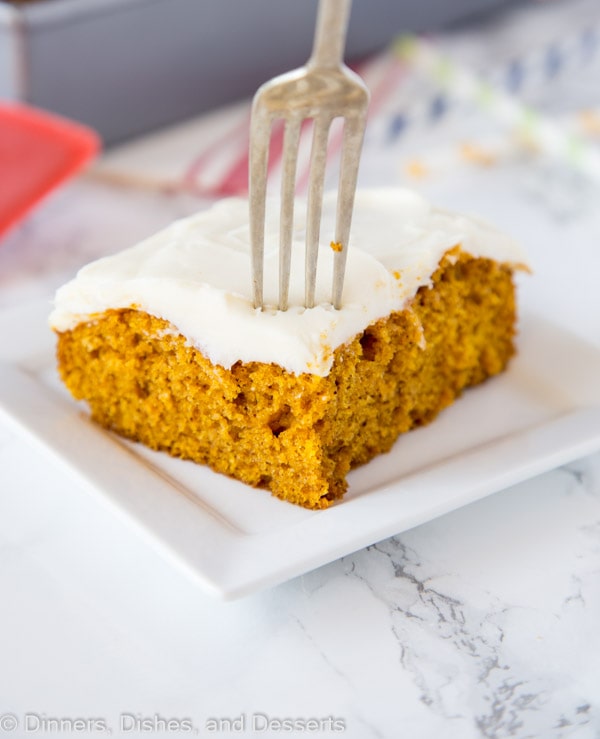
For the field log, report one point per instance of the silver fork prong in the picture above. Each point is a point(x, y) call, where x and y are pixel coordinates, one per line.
point(318, 162)
point(288, 191)
point(322, 90)
point(354, 128)
point(260, 132)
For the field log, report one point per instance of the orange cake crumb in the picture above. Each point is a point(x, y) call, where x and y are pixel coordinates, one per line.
point(297, 435)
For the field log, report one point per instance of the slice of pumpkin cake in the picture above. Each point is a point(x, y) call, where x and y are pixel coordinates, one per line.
point(164, 344)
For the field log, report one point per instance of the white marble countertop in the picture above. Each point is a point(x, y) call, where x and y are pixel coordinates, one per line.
point(481, 623)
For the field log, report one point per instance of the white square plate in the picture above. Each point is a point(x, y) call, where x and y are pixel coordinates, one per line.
point(543, 412)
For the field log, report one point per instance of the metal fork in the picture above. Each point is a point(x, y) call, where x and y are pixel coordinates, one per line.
point(321, 90)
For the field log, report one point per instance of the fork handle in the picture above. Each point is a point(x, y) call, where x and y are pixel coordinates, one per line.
point(330, 33)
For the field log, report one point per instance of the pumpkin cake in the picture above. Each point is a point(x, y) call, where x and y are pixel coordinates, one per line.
point(163, 342)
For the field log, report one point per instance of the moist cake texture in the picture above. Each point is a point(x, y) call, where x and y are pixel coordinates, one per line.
point(428, 311)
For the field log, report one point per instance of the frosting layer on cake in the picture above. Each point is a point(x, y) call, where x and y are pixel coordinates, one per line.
point(196, 275)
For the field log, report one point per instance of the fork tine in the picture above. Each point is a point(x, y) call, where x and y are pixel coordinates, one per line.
point(322, 90)
point(354, 128)
point(260, 130)
point(318, 161)
point(288, 190)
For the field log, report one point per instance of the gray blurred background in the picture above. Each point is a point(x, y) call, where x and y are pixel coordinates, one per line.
point(129, 66)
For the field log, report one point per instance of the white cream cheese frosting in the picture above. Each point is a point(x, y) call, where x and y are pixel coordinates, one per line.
point(196, 274)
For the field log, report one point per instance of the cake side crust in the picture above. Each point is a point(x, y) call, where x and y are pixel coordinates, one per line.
point(297, 435)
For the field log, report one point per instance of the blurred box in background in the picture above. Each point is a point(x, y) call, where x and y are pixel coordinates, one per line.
point(125, 67)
